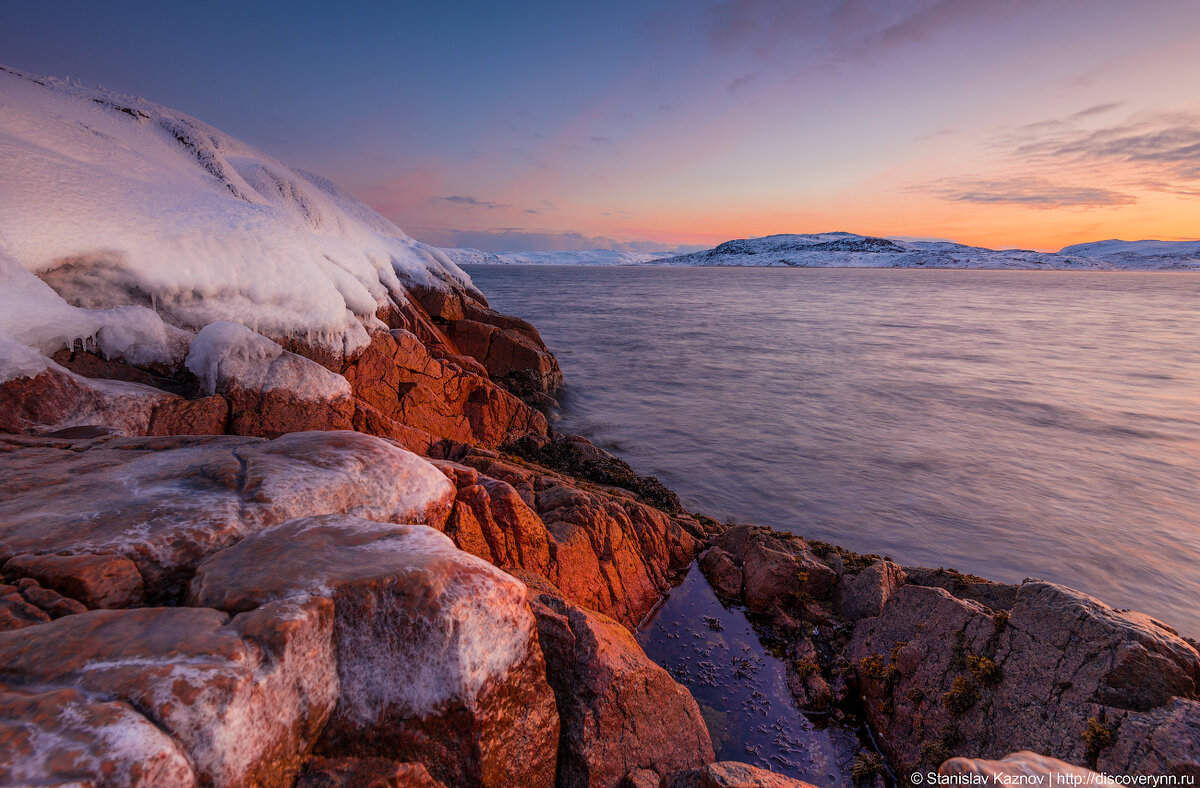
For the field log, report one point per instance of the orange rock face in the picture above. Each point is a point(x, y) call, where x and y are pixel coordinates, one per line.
point(600, 548)
point(620, 711)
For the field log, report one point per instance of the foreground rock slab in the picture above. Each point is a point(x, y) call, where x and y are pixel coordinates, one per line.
point(437, 651)
point(64, 737)
point(167, 503)
point(243, 698)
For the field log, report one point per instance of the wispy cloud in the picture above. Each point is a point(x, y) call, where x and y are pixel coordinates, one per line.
point(470, 202)
point(1158, 151)
point(1031, 192)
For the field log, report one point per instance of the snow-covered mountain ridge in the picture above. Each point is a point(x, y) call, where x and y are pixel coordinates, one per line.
point(575, 257)
point(848, 250)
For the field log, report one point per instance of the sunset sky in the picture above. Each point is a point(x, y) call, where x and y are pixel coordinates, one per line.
point(656, 124)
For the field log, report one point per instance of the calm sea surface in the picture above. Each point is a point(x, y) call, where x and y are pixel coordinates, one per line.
point(1010, 424)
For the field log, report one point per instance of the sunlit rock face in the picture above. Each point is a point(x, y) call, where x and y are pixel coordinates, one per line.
point(620, 711)
point(437, 651)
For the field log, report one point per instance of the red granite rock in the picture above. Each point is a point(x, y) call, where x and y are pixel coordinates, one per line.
point(98, 581)
point(437, 650)
point(619, 710)
point(244, 699)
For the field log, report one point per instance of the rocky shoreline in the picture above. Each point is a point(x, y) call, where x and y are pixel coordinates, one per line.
point(404, 576)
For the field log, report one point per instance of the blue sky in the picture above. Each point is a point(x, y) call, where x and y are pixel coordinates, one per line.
point(531, 125)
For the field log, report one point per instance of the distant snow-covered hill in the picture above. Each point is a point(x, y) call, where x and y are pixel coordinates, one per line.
point(848, 250)
point(1140, 254)
point(577, 257)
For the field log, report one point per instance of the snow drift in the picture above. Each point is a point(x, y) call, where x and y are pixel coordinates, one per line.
point(132, 225)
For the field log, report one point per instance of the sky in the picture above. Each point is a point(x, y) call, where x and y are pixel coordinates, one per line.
point(664, 124)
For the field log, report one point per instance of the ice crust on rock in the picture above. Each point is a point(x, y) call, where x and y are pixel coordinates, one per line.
point(457, 621)
point(228, 351)
point(123, 208)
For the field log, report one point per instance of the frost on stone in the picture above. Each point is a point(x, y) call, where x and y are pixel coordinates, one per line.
point(52, 735)
point(419, 624)
point(113, 201)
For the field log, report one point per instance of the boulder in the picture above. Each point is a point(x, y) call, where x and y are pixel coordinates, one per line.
point(166, 503)
point(731, 774)
point(1061, 672)
point(619, 710)
point(65, 736)
point(437, 651)
point(98, 581)
point(365, 773)
point(722, 574)
point(243, 698)
point(863, 595)
point(776, 568)
point(16, 611)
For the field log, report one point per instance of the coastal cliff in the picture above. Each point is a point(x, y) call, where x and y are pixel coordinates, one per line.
point(264, 532)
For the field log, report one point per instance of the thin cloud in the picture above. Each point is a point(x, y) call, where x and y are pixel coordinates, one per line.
point(470, 202)
point(1032, 193)
point(1163, 149)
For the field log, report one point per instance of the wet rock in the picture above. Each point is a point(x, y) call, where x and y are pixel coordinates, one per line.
point(98, 581)
point(436, 650)
point(365, 773)
point(16, 611)
point(941, 675)
point(166, 503)
point(619, 710)
point(863, 595)
point(243, 698)
point(53, 603)
point(731, 774)
point(67, 737)
point(722, 574)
